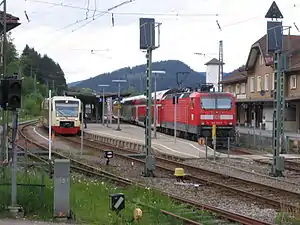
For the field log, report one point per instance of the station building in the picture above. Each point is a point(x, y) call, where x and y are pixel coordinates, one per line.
point(253, 86)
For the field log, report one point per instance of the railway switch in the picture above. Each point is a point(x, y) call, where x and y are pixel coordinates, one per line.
point(117, 202)
point(108, 154)
point(179, 174)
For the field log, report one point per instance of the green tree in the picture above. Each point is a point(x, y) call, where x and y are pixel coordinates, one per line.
point(36, 73)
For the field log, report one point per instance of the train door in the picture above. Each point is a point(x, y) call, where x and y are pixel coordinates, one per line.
point(158, 114)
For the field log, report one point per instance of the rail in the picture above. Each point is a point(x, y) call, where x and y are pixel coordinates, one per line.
point(275, 197)
point(225, 214)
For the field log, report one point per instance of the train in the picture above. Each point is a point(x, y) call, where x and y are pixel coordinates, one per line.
point(65, 115)
point(196, 112)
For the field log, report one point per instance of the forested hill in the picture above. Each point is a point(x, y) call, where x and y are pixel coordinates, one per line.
point(43, 69)
point(136, 77)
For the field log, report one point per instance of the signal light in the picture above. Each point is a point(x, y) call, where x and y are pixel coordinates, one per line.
point(11, 93)
point(14, 94)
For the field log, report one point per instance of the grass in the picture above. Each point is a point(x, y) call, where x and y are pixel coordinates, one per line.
point(90, 201)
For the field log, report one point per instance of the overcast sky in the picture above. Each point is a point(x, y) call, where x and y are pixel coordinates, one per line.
point(67, 32)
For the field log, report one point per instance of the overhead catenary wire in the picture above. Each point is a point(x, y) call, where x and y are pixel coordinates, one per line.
point(144, 14)
point(95, 16)
point(127, 13)
point(98, 15)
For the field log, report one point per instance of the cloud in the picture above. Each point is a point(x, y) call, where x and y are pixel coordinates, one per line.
point(191, 31)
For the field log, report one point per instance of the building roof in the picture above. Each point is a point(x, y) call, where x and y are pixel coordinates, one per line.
point(12, 21)
point(239, 74)
point(260, 47)
point(213, 61)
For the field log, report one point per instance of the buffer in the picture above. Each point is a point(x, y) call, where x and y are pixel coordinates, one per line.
point(274, 12)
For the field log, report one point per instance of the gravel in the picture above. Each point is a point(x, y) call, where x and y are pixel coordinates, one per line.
point(166, 182)
point(250, 170)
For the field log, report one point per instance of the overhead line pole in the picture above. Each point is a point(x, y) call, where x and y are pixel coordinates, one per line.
point(4, 65)
point(147, 43)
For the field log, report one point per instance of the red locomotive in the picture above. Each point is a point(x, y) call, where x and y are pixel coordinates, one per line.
point(196, 112)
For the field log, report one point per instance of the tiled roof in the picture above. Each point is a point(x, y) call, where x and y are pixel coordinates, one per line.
point(295, 43)
point(239, 74)
point(11, 21)
point(9, 18)
point(213, 61)
point(291, 43)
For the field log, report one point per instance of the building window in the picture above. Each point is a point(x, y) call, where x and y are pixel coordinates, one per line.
point(243, 88)
point(293, 82)
point(267, 81)
point(261, 60)
point(251, 84)
point(229, 88)
point(258, 83)
point(237, 89)
point(272, 80)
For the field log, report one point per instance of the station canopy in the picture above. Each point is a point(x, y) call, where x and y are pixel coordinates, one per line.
point(94, 98)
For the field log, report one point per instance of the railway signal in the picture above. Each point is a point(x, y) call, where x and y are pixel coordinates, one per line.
point(108, 154)
point(11, 93)
point(117, 202)
point(14, 93)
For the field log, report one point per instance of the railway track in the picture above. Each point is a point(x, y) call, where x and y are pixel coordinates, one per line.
point(275, 197)
point(92, 171)
point(288, 164)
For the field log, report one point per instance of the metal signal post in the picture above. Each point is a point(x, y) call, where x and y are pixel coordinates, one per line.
point(119, 101)
point(103, 101)
point(147, 42)
point(49, 126)
point(275, 44)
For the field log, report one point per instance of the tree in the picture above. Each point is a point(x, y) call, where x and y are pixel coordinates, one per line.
point(37, 73)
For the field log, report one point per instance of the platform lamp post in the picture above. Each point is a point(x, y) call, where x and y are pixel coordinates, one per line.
point(155, 72)
point(103, 101)
point(119, 93)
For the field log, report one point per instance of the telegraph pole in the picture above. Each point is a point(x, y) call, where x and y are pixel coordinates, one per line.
point(275, 44)
point(220, 74)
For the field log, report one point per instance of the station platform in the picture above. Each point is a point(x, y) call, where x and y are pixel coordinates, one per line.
point(164, 144)
point(266, 133)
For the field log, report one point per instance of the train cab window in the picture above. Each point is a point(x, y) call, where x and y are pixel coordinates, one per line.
point(208, 103)
point(216, 103)
point(224, 103)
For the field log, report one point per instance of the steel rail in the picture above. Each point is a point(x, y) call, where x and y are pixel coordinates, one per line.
point(223, 213)
point(272, 195)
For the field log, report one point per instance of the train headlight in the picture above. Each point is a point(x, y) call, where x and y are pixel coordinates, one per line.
point(230, 123)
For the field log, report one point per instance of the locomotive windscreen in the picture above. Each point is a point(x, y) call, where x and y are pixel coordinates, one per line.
point(67, 108)
point(216, 103)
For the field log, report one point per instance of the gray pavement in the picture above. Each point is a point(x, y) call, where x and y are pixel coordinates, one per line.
point(265, 133)
point(163, 143)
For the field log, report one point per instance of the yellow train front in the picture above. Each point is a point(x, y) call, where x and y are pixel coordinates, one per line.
point(65, 115)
